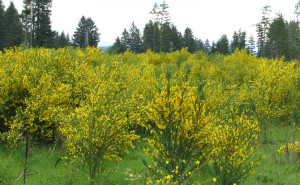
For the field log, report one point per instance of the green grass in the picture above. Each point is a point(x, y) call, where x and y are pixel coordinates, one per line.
point(274, 169)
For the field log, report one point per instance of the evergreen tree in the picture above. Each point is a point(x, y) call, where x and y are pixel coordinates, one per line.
point(278, 35)
point(151, 40)
point(3, 27)
point(27, 20)
point(117, 47)
point(242, 40)
point(189, 40)
point(207, 47)
point(148, 36)
point(125, 39)
point(213, 48)
point(166, 37)
point(176, 39)
point(223, 45)
point(161, 16)
point(293, 39)
point(165, 15)
point(238, 40)
point(156, 14)
point(61, 40)
point(86, 33)
point(199, 45)
point(251, 46)
point(135, 39)
point(80, 35)
point(235, 41)
point(43, 36)
point(261, 29)
point(15, 35)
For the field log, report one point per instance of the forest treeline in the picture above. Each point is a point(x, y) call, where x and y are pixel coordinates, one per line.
point(276, 37)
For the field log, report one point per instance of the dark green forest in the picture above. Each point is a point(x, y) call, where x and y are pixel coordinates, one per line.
point(276, 37)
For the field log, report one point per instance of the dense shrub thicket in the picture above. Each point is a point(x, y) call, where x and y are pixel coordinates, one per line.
point(191, 108)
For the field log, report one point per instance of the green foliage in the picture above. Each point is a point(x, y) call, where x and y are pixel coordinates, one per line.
point(62, 40)
point(43, 35)
point(15, 35)
point(223, 45)
point(189, 40)
point(278, 35)
point(86, 33)
point(3, 27)
point(238, 40)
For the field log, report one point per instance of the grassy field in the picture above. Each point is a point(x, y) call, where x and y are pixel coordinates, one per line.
point(274, 169)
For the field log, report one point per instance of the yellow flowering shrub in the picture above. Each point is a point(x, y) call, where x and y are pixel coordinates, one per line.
point(291, 149)
point(180, 128)
point(30, 96)
point(99, 129)
point(234, 142)
point(37, 84)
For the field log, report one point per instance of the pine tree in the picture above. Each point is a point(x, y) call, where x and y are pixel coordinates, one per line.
point(148, 36)
point(207, 47)
point(27, 21)
point(213, 48)
point(3, 27)
point(165, 34)
point(238, 40)
point(165, 15)
point(251, 45)
point(117, 47)
point(92, 33)
point(156, 14)
point(15, 35)
point(135, 39)
point(161, 17)
point(176, 39)
point(293, 39)
point(223, 45)
point(61, 40)
point(125, 39)
point(86, 33)
point(234, 42)
point(189, 40)
point(242, 40)
point(199, 45)
point(43, 35)
point(261, 29)
point(80, 36)
point(278, 35)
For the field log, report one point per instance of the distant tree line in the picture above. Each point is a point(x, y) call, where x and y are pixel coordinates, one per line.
point(276, 38)
point(32, 28)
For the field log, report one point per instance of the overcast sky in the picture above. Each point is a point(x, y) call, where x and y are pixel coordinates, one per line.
point(208, 19)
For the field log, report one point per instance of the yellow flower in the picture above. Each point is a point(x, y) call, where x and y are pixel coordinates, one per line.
point(214, 179)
